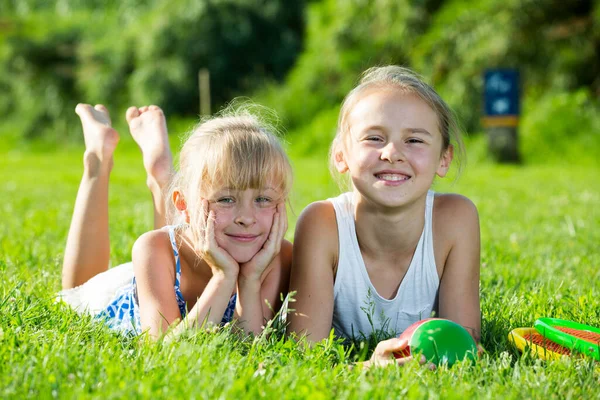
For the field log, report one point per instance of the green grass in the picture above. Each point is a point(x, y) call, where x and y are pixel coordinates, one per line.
point(540, 238)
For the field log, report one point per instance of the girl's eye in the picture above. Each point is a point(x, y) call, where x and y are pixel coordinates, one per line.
point(414, 140)
point(373, 139)
point(263, 200)
point(225, 200)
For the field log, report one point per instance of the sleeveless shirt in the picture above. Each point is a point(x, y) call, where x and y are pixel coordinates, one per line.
point(123, 313)
point(359, 311)
point(111, 296)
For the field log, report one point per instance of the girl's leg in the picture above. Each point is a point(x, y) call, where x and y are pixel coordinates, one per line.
point(88, 247)
point(149, 130)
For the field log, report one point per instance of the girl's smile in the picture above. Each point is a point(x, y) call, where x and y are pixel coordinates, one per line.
point(391, 177)
point(242, 237)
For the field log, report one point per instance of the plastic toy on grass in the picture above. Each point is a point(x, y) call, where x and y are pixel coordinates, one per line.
point(581, 338)
point(530, 339)
point(441, 341)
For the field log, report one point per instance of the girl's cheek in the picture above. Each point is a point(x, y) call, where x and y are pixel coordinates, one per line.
point(221, 216)
point(367, 158)
point(267, 214)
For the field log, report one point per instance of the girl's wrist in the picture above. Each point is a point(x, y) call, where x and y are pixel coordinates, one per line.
point(224, 275)
point(249, 280)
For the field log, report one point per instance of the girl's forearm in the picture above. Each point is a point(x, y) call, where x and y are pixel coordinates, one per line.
point(211, 304)
point(249, 306)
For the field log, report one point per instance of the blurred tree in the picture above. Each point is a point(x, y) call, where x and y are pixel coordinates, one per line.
point(56, 52)
point(555, 43)
point(59, 52)
point(550, 41)
point(38, 74)
point(241, 42)
point(344, 38)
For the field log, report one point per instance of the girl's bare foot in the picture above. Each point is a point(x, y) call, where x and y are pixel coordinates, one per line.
point(149, 129)
point(100, 137)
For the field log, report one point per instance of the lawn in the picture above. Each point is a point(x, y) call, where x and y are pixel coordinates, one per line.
point(540, 228)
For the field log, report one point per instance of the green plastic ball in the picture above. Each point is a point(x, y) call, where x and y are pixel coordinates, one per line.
point(441, 341)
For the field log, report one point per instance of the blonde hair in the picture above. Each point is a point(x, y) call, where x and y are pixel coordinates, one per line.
point(407, 81)
point(236, 150)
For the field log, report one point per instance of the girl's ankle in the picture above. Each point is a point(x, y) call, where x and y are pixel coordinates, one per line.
point(95, 166)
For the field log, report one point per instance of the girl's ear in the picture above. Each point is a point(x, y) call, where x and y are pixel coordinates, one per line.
point(340, 162)
point(181, 205)
point(445, 161)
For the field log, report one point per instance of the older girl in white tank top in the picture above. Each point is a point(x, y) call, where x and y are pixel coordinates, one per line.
point(415, 298)
point(377, 258)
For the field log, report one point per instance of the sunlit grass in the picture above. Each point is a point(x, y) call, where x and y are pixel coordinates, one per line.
point(540, 236)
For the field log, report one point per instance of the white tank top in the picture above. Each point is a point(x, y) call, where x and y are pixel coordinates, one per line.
point(358, 310)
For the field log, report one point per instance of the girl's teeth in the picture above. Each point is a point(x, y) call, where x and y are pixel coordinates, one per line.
point(392, 177)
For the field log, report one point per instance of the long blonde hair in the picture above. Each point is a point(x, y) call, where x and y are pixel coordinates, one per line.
point(235, 150)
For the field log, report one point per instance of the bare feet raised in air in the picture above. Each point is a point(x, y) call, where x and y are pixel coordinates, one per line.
point(149, 129)
point(100, 137)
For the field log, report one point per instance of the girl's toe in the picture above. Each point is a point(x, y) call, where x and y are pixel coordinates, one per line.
point(131, 113)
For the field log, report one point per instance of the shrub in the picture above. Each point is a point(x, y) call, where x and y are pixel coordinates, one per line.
point(562, 128)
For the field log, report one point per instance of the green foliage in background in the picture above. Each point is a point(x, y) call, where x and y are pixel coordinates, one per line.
point(343, 39)
point(554, 44)
point(299, 58)
point(58, 53)
point(561, 128)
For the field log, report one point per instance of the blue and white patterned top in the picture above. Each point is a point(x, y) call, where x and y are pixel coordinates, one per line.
point(123, 313)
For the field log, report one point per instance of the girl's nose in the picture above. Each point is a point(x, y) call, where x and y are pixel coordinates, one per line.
point(392, 153)
point(245, 217)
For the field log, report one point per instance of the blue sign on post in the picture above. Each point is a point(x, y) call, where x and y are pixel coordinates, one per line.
point(501, 97)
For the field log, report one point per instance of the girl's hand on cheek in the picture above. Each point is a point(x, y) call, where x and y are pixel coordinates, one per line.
point(257, 266)
point(217, 258)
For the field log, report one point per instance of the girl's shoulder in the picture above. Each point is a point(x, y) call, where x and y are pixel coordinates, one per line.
point(317, 232)
point(157, 238)
point(451, 207)
point(455, 217)
point(319, 216)
point(451, 200)
point(153, 248)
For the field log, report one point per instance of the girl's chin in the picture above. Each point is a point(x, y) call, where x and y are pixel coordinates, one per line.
point(242, 259)
point(244, 254)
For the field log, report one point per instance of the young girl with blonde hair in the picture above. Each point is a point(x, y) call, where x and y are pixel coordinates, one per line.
point(390, 251)
point(217, 252)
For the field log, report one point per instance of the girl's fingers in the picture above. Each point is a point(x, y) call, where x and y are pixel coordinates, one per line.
point(404, 360)
point(271, 241)
point(202, 222)
point(422, 361)
point(390, 346)
point(385, 350)
point(209, 236)
point(279, 226)
point(282, 220)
